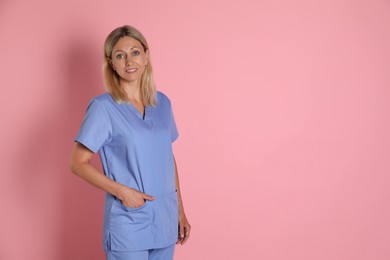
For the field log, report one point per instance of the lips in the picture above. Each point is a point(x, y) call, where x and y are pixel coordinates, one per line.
point(130, 70)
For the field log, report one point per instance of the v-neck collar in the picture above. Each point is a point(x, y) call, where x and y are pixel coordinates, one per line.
point(147, 111)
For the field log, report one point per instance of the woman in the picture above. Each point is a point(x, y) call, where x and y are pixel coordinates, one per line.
point(133, 128)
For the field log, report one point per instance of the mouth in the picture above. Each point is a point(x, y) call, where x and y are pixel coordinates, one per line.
point(131, 70)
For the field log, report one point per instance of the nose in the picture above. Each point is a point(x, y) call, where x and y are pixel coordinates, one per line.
point(128, 59)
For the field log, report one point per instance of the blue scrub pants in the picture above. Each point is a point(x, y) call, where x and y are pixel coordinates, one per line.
point(165, 253)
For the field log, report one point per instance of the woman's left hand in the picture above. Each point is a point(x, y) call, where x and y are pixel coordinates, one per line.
point(184, 229)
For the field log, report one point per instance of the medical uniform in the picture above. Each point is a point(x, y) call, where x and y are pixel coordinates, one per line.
point(135, 151)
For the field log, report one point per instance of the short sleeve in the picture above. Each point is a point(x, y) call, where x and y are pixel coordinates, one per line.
point(174, 132)
point(95, 129)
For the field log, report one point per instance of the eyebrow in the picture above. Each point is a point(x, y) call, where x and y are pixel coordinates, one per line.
point(130, 49)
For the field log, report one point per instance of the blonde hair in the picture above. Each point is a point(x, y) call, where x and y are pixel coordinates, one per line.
point(111, 78)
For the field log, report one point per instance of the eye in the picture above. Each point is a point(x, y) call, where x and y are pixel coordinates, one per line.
point(120, 56)
point(135, 53)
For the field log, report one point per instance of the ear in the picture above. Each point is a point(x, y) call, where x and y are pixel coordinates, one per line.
point(110, 63)
point(147, 57)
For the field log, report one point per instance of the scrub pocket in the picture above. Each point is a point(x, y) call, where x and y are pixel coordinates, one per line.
point(129, 227)
point(128, 209)
point(153, 225)
point(165, 224)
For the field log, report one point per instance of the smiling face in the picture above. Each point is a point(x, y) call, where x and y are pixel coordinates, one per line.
point(129, 59)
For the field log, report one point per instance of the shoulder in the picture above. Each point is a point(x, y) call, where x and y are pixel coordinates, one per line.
point(100, 103)
point(162, 98)
point(103, 98)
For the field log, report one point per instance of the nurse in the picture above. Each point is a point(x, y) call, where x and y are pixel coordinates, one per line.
point(132, 127)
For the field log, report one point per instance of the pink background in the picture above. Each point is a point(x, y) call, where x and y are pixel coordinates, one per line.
point(282, 106)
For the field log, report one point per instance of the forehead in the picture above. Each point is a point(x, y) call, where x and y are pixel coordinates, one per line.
point(125, 43)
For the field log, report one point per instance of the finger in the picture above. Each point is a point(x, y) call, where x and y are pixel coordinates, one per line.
point(148, 197)
point(133, 204)
point(181, 229)
point(186, 234)
point(179, 238)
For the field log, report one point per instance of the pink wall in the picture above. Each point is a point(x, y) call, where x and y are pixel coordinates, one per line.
point(283, 109)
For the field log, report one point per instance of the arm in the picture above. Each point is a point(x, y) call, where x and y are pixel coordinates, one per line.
point(184, 226)
point(80, 165)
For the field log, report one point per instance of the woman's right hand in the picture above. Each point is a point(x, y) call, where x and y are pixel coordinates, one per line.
point(81, 166)
point(132, 198)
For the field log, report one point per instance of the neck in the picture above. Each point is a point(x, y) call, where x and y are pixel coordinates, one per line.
point(132, 90)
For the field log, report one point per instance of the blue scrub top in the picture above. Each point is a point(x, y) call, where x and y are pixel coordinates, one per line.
point(136, 152)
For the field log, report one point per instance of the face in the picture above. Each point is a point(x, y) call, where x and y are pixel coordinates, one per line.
point(129, 59)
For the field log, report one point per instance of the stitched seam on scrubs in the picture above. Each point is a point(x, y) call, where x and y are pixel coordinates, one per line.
point(173, 123)
point(109, 119)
